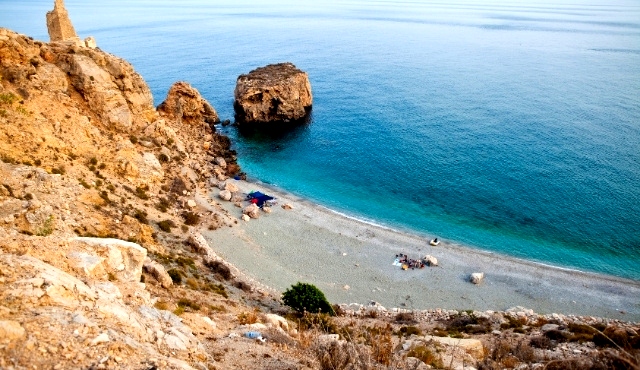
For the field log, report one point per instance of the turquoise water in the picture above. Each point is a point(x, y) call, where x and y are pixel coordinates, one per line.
point(511, 127)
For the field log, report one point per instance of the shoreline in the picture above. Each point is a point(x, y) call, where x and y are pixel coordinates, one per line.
point(350, 260)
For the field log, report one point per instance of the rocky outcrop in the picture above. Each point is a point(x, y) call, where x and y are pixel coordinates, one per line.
point(58, 23)
point(185, 104)
point(275, 93)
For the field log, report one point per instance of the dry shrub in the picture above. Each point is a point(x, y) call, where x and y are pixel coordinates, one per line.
point(506, 354)
point(408, 331)
point(381, 344)
point(242, 286)
point(557, 335)
point(468, 324)
point(187, 303)
point(405, 318)
point(219, 268)
point(523, 352)
point(246, 318)
point(542, 343)
point(425, 355)
point(190, 218)
point(320, 322)
point(334, 355)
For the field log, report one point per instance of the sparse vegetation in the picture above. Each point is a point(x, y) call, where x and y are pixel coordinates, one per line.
point(219, 268)
point(163, 205)
point(84, 184)
point(425, 355)
point(47, 227)
point(58, 170)
point(166, 225)
point(138, 214)
point(176, 275)
point(163, 158)
point(8, 98)
point(187, 303)
point(245, 318)
point(141, 192)
point(190, 218)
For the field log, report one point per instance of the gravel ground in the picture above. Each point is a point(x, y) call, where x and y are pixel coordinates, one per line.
point(351, 262)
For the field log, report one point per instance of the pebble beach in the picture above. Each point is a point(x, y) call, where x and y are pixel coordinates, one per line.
point(351, 261)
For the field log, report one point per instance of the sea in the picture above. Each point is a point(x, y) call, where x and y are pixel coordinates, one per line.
point(507, 126)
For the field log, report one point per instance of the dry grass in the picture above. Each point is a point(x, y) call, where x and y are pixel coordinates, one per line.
point(246, 318)
point(334, 355)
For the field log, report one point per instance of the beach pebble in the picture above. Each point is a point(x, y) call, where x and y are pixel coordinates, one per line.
point(245, 218)
point(346, 287)
point(476, 277)
point(287, 206)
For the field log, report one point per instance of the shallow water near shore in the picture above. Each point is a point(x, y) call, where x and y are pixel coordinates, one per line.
point(509, 128)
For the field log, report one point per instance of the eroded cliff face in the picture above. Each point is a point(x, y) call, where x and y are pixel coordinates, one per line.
point(89, 171)
point(271, 94)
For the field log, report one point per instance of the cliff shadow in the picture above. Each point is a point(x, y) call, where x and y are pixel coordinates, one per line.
point(278, 131)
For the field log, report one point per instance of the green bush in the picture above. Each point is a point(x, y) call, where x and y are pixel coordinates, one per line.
point(306, 297)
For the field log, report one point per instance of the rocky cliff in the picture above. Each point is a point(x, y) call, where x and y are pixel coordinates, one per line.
point(272, 94)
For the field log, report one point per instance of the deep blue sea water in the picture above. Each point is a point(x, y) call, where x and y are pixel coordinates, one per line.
point(510, 126)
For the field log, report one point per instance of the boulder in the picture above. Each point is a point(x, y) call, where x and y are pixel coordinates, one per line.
point(158, 272)
point(431, 260)
point(476, 277)
point(252, 211)
point(231, 187)
point(473, 347)
point(58, 23)
point(185, 104)
point(225, 195)
point(245, 218)
point(274, 93)
point(121, 258)
point(90, 42)
point(11, 331)
point(276, 321)
point(221, 162)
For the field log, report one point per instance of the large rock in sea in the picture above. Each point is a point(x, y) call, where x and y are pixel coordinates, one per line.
point(185, 104)
point(271, 94)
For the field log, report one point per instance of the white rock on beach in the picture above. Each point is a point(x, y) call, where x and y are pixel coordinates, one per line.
point(225, 195)
point(252, 211)
point(431, 260)
point(231, 187)
point(476, 277)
